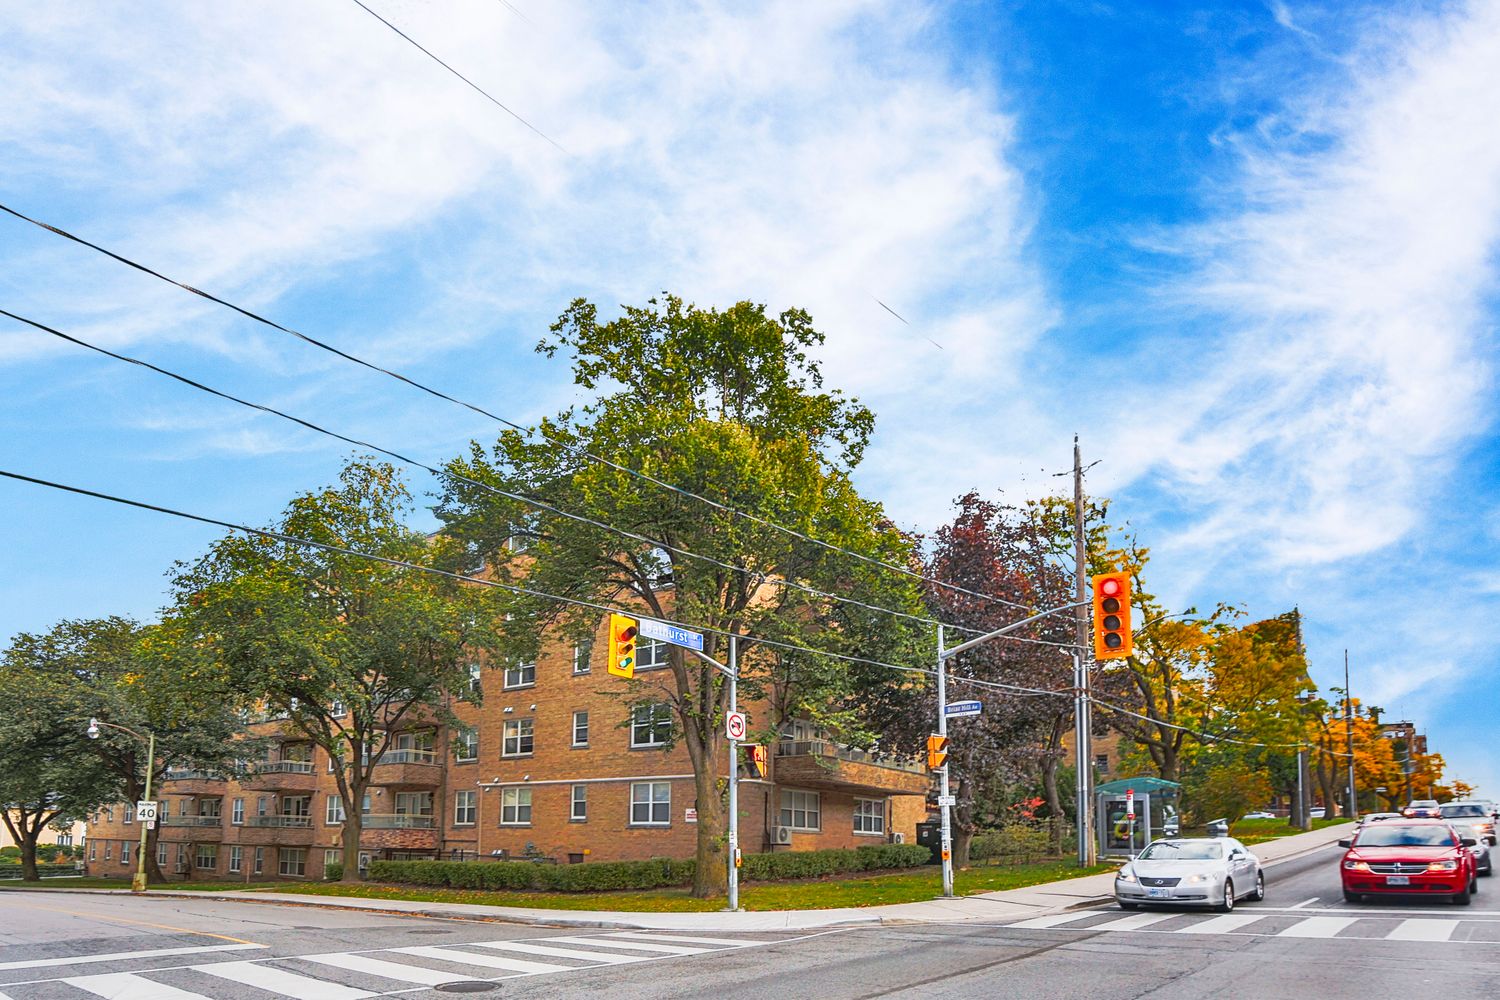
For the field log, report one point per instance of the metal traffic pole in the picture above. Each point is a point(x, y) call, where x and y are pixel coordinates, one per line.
point(734, 783)
point(943, 794)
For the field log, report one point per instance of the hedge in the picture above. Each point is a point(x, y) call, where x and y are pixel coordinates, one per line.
point(334, 872)
point(658, 873)
point(1013, 842)
point(14, 870)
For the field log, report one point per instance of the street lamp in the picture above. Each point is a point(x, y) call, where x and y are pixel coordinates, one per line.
point(138, 881)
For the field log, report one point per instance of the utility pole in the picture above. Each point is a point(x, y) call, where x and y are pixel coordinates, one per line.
point(1082, 715)
point(1349, 739)
point(734, 783)
point(944, 796)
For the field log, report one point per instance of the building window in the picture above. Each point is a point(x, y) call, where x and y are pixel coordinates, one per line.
point(1102, 762)
point(109, 814)
point(161, 853)
point(64, 840)
point(518, 738)
point(520, 675)
point(261, 805)
point(582, 654)
point(651, 803)
point(130, 814)
point(109, 850)
point(650, 654)
point(515, 807)
point(580, 729)
point(293, 861)
point(333, 812)
point(869, 815)
point(466, 745)
point(580, 809)
point(651, 725)
point(212, 808)
point(260, 860)
point(237, 812)
point(208, 856)
point(125, 853)
point(182, 807)
point(474, 688)
point(336, 709)
point(94, 852)
point(799, 810)
point(236, 859)
point(464, 808)
point(332, 856)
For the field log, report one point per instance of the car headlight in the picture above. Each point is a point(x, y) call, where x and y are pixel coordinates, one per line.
point(1442, 866)
point(1124, 875)
point(1356, 866)
point(1197, 879)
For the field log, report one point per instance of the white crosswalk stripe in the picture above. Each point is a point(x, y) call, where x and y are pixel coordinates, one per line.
point(666, 949)
point(1220, 925)
point(673, 937)
point(1423, 930)
point(128, 986)
point(486, 961)
point(1134, 922)
point(1261, 923)
point(1318, 927)
point(287, 984)
point(389, 970)
point(547, 951)
point(1054, 920)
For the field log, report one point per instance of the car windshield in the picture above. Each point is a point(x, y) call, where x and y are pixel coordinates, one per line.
point(1449, 812)
point(1183, 850)
point(1391, 835)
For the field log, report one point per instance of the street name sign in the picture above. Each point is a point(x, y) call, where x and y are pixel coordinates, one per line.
point(653, 629)
point(947, 800)
point(959, 709)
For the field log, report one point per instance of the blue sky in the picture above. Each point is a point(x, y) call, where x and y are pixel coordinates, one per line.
point(1246, 250)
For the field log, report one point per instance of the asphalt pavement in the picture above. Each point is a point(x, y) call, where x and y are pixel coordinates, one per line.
point(1303, 941)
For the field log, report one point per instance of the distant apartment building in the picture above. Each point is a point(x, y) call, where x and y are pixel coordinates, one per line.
point(558, 762)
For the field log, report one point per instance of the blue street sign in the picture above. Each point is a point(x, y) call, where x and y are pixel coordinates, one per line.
point(958, 709)
point(653, 629)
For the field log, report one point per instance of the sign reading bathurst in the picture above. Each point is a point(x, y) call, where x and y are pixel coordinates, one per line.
point(652, 629)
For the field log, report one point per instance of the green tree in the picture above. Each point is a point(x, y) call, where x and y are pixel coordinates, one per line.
point(121, 673)
point(348, 650)
point(726, 405)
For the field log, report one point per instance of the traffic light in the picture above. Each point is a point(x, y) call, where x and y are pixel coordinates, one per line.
point(1112, 616)
point(937, 752)
point(756, 754)
point(622, 633)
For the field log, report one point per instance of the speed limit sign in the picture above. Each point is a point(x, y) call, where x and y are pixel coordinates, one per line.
point(734, 725)
point(145, 811)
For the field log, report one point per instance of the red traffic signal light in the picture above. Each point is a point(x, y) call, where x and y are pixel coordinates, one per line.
point(622, 633)
point(1112, 636)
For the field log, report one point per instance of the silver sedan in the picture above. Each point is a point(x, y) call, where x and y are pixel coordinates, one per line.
point(1201, 871)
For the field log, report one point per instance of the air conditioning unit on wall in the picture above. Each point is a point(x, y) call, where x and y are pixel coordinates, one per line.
point(898, 838)
point(781, 836)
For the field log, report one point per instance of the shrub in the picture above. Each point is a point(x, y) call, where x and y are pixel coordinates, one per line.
point(658, 873)
point(1012, 842)
point(333, 872)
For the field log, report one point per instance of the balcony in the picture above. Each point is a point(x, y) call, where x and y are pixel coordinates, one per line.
point(195, 828)
point(281, 775)
point(187, 781)
point(823, 764)
point(408, 769)
point(399, 821)
point(278, 829)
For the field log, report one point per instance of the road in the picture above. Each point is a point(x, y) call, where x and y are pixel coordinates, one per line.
point(1304, 941)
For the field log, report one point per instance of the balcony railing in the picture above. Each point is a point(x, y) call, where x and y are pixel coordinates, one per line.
point(398, 821)
point(408, 757)
point(188, 774)
point(192, 820)
point(825, 748)
point(281, 821)
point(282, 767)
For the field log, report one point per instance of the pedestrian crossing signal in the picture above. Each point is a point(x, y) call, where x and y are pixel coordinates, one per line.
point(757, 760)
point(622, 633)
point(937, 752)
point(1112, 640)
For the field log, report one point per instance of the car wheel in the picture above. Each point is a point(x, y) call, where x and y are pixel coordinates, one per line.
point(1465, 897)
point(1353, 897)
point(1128, 906)
point(1260, 887)
point(1228, 903)
point(1488, 869)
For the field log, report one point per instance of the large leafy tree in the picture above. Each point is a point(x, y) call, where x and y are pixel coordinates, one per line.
point(727, 405)
point(347, 649)
point(126, 675)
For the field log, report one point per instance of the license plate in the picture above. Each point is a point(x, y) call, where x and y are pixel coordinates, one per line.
point(1159, 893)
point(1397, 880)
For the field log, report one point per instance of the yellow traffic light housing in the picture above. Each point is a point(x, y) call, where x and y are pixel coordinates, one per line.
point(622, 633)
point(1112, 637)
point(757, 760)
point(937, 752)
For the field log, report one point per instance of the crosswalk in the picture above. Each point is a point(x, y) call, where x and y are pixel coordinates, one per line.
point(359, 975)
point(1286, 923)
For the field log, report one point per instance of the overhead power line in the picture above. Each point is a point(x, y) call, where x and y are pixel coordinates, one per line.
point(507, 494)
point(579, 452)
point(480, 90)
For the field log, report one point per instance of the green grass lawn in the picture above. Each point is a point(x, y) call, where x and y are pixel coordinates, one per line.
point(814, 894)
point(1258, 831)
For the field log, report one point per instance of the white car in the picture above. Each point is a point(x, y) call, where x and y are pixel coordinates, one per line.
point(1199, 871)
point(1259, 815)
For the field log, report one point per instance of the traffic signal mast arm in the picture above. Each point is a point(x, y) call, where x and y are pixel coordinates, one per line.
point(963, 646)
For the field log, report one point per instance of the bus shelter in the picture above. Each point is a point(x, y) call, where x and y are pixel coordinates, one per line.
point(1155, 814)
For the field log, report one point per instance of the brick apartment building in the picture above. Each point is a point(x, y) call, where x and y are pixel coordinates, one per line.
point(554, 763)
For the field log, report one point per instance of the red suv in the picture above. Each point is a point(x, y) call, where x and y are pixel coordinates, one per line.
point(1409, 857)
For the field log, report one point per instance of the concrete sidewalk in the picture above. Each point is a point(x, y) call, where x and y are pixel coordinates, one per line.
point(1011, 904)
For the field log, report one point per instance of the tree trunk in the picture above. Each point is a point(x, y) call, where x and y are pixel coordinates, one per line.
point(28, 855)
point(963, 838)
point(711, 872)
point(353, 828)
point(154, 874)
point(1049, 781)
